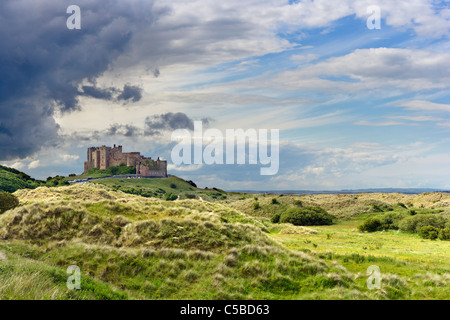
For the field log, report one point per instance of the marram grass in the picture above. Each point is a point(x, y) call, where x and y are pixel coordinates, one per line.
point(131, 247)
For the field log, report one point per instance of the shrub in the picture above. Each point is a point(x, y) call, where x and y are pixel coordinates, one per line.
point(444, 234)
point(275, 201)
point(173, 185)
point(192, 183)
point(401, 205)
point(306, 216)
point(391, 220)
point(298, 203)
point(170, 196)
point(414, 223)
point(429, 232)
point(275, 218)
point(378, 206)
point(256, 206)
point(371, 225)
point(113, 170)
point(7, 201)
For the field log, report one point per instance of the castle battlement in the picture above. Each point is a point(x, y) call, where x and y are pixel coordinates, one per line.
point(104, 157)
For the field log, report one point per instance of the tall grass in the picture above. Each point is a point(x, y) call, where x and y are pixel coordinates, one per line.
point(132, 247)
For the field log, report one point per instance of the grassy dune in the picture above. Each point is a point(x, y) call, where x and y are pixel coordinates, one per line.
point(161, 187)
point(346, 205)
point(133, 247)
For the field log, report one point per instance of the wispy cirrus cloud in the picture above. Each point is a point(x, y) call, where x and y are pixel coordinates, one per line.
point(380, 124)
point(425, 105)
point(372, 69)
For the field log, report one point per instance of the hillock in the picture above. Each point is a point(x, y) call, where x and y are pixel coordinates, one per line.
point(12, 180)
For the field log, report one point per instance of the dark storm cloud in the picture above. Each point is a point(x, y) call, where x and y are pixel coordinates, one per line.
point(170, 121)
point(133, 93)
point(91, 91)
point(126, 130)
point(167, 121)
point(128, 93)
point(42, 63)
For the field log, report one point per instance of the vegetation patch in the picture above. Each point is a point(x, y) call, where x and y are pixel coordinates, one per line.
point(7, 201)
point(306, 216)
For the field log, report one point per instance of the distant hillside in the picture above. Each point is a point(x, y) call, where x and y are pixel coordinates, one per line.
point(103, 173)
point(348, 191)
point(12, 180)
point(170, 188)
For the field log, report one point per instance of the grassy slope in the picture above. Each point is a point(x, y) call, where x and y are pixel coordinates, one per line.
point(345, 206)
point(158, 187)
point(12, 180)
point(422, 266)
point(134, 247)
point(111, 171)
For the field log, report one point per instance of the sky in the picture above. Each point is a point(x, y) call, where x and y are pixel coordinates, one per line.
point(356, 107)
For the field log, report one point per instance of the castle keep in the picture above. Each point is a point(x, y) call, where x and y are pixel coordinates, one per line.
point(104, 157)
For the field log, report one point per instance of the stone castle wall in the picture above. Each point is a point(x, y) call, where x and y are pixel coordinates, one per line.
point(104, 157)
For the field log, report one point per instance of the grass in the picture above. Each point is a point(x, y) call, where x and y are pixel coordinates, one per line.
point(161, 187)
point(12, 180)
point(133, 247)
point(413, 260)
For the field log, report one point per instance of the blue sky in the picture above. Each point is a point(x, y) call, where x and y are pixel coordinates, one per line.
point(356, 108)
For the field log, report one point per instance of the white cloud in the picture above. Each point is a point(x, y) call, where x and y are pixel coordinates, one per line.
point(68, 157)
point(191, 167)
point(369, 69)
point(34, 164)
point(304, 58)
point(380, 124)
point(16, 165)
point(425, 105)
point(416, 118)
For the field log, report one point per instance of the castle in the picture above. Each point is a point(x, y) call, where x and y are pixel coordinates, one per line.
point(104, 157)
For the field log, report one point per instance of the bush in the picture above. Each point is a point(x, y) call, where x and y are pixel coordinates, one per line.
point(429, 232)
point(371, 225)
point(256, 206)
point(306, 216)
point(113, 170)
point(192, 183)
point(444, 234)
point(275, 201)
point(298, 203)
point(414, 223)
point(7, 201)
point(391, 220)
point(170, 196)
point(401, 205)
point(378, 206)
point(173, 185)
point(275, 218)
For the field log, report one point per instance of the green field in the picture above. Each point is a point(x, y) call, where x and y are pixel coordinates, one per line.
point(161, 187)
point(214, 245)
